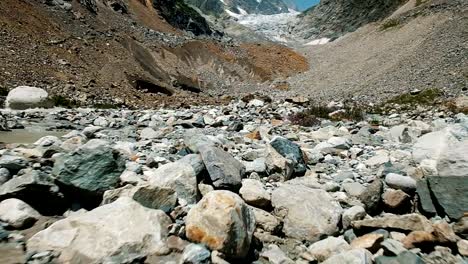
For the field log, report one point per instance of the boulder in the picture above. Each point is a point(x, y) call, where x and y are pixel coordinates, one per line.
point(122, 226)
point(89, 170)
point(370, 242)
point(195, 138)
point(352, 214)
point(355, 256)
point(453, 161)
point(323, 249)
point(17, 213)
point(431, 145)
point(13, 163)
point(400, 182)
point(222, 221)
point(253, 193)
point(224, 170)
point(275, 163)
point(450, 194)
point(196, 254)
point(36, 189)
point(371, 197)
point(265, 220)
point(291, 151)
point(408, 222)
point(274, 255)
point(153, 197)
point(178, 176)
point(24, 97)
point(308, 214)
point(396, 201)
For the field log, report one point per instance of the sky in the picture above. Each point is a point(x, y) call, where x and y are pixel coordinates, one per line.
point(304, 4)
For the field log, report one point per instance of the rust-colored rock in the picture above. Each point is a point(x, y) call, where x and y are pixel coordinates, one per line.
point(370, 242)
point(418, 239)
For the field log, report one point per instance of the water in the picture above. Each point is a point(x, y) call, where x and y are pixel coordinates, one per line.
point(27, 136)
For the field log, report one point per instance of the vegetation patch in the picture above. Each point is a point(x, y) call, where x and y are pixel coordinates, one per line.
point(61, 101)
point(390, 23)
point(311, 116)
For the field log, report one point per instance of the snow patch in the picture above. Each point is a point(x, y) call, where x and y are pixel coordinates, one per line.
point(319, 41)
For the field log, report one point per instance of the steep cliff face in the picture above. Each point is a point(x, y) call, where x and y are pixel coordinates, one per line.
point(239, 7)
point(333, 18)
point(180, 15)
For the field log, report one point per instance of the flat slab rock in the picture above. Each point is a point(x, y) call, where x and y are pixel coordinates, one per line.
point(408, 222)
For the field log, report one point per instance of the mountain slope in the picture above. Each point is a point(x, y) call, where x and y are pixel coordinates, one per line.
point(239, 7)
point(333, 18)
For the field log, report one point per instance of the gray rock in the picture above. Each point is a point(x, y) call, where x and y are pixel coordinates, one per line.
point(179, 176)
point(196, 254)
point(195, 161)
point(254, 193)
point(426, 204)
point(149, 133)
point(90, 131)
point(3, 123)
point(223, 222)
point(37, 190)
point(339, 143)
point(224, 170)
point(275, 163)
point(82, 236)
point(274, 255)
point(92, 169)
point(352, 214)
point(354, 188)
point(406, 257)
point(355, 256)
point(195, 138)
point(292, 151)
point(265, 220)
point(153, 197)
point(371, 197)
point(392, 247)
point(431, 145)
point(13, 163)
point(17, 213)
point(24, 97)
point(308, 213)
point(400, 182)
point(327, 247)
point(450, 194)
point(4, 175)
point(453, 161)
point(258, 166)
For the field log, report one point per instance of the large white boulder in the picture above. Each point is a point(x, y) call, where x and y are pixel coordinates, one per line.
point(17, 213)
point(123, 225)
point(24, 97)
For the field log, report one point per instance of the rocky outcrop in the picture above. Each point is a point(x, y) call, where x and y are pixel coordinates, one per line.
point(240, 7)
point(332, 19)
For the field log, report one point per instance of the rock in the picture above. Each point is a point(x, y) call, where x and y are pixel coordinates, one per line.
point(196, 254)
point(371, 197)
point(406, 257)
point(48, 141)
point(265, 220)
point(461, 227)
point(370, 242)
point(178, 176)
point(224, 170)
point(408, 222)
point(17, 213)
point(90, 131)
point(431, 145)
point(354, 188)
point(339, 143)
point(195, 138)
point(149, 133)
point(323, 249)
point(453, 161)
point(274, 255)
point(101, 121)
point(352, 214)
point(462, 246)
point(426, 204)
point(80, 238)
point(275, 163)
point(253, 193)
point(4, 175)
point(195, 161)
point(3, 123)
point(37, 190)
point(292, 151)
point(24, 97)
point(223, 222)
point(396, 201)
point(378, 159)
point(89, 170)
point(257, 166)
point(444, 233)
point(354, 256)
point(450, 194)
point(13, 163)
point(418, 239)
point(392, 247)
point(400, 182)
point(308, 213)
point(153, 197)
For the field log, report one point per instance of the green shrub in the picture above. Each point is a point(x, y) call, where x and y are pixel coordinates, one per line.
point(390, 23)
